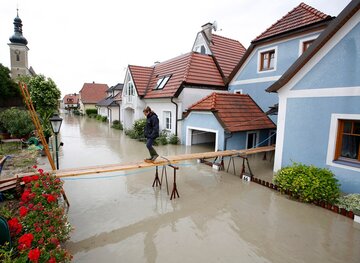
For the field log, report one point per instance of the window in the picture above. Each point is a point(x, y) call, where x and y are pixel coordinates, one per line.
point(238, 91)
point(348, 141)
point(251, 140)
point(167, 120)
point(160, 84)
point(267, 60)
point(306, 45)
point(130, 89)
point(17, 57)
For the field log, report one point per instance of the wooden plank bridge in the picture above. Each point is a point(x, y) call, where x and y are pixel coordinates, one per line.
point(170, 161)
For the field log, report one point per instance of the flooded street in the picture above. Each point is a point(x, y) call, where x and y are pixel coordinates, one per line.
point(120, 217)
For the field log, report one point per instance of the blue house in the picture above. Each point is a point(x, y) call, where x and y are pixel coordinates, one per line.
point(227, 121)
point(274, 51)
point(319, 103)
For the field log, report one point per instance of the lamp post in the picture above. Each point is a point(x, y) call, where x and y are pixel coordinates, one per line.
point(56, 121)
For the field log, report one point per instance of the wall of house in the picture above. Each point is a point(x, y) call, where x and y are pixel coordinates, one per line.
point(203, 120)
point(238, 140)
point(307, 130)
point(115, 111)
point(341, 65)
point(324, 91)
point(254, 82)
point(103, 111)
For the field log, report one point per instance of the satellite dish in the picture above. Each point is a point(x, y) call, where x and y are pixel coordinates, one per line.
point(215, 26)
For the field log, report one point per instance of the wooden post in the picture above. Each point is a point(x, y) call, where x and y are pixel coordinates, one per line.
point(156, 180)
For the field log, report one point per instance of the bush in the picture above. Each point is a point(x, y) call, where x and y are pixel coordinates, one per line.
point(117, 125)
point(173, 139)
point(17, 122)
point(308, 183)
point(350, 202)
point(91, 111)
point(76, 112)
point(40, 225)
point(103, 118)
point(162, 139)
point(137, 132)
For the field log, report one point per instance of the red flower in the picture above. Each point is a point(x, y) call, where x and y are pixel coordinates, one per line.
point(37, 229)
point(23, 211)
point(35, 177)
point(51, 198)
point(26, 179)
point(54, 241)
point(34, 166)
point(52, 260)
point(25, 197)
point(25, 241)
point(34, 255)
point(15, 226)
point(41, 171)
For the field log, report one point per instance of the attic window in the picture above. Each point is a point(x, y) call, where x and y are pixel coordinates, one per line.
point(160, 84)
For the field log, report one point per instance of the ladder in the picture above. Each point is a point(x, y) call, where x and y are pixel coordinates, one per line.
point(26, 96)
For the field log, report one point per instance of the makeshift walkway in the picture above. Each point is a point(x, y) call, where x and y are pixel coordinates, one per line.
point(168, 161)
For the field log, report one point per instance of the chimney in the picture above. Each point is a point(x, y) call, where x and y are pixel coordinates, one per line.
point(207, 29)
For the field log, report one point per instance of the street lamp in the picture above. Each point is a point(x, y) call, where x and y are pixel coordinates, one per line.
point(56, 121)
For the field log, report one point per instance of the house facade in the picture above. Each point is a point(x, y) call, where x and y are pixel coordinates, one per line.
point(109, 107)
point(274, 51)
point(71, 102)
point(319, 103)
point(90, 95)
point(229, 122)
point(170, 87)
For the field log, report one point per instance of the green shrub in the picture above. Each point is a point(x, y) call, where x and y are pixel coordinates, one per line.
point(104, 119)
point(76, 112)
point(91, 111)
point(117, 125)
point(173, 139)
point(93, 115)
point(162, 139)
point(98, 117)
point(17, 122)
point(350, 202)
point(308, 183)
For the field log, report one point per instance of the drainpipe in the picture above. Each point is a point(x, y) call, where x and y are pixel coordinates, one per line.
point(176, 115)
point(109, 110)
point(225, 141)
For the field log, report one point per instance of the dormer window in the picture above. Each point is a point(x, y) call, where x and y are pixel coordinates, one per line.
point(160, 84)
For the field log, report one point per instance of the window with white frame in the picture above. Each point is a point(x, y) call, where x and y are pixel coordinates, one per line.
point(267, 59)
point(305, 43)
point(167, 120)
point(160, 84)
point(238, 91)
point(348, 141)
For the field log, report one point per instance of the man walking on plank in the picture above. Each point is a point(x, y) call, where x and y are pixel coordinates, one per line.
point(151, 132)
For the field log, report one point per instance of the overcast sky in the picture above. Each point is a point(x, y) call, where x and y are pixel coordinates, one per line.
point(78, 41)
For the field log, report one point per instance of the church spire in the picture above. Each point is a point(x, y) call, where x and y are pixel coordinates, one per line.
point(17, 37)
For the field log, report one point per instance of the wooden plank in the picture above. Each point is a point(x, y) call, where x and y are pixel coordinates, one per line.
point(160, 162)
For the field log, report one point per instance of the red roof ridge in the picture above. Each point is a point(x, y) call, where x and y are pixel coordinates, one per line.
point(213, 102)
point(186, 72)
point(314, 11)
point(301, 5)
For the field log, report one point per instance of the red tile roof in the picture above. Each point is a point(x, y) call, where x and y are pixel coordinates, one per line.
point(191, 68)
point(236, 112)
point(141, 76)
point(71, 99)
point(300, 16)
point(227, 53)
point(93, 92)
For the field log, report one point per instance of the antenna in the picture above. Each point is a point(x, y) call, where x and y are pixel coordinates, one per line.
point(215, 25)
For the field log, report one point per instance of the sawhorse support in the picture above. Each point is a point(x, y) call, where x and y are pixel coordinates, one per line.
point(162, 175)
point(244, 163)
point(156, 180)
point(174, 192)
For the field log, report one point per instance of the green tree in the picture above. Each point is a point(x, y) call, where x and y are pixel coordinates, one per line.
point(45, 96)
point(8, 88)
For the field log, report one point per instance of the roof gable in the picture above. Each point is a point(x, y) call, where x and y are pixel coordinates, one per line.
point(71, 98)
point(236, 112)
point(227, 53)
point(93, 92)
point(300, 16)
point(352, 8)
point(141, 76)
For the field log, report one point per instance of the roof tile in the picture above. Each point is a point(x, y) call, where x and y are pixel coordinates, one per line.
point(300, 16)
point(237, 112)
point(93, 92)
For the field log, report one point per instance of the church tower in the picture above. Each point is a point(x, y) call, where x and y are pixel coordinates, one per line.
point(18, 51)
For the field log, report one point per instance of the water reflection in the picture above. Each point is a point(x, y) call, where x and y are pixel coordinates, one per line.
point(119, 217)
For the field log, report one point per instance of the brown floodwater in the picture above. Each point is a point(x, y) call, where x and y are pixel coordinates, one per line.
point(120, 217)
